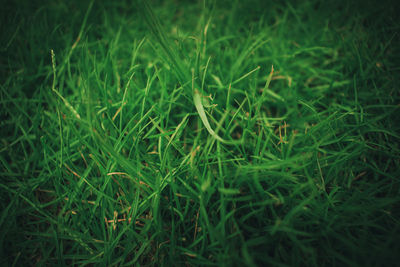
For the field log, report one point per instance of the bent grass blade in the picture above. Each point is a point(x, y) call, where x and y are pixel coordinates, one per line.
point(202, 114)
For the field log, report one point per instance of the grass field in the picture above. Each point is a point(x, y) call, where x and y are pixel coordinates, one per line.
point(182, 133)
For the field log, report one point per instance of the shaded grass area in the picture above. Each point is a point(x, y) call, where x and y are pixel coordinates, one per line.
point(106, 161)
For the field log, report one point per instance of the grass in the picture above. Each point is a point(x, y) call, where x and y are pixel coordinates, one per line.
point(192, 134)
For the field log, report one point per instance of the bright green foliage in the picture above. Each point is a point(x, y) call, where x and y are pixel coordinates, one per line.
point(182, 133)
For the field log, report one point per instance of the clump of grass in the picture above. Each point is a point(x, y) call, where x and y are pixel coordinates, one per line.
point(159, 134)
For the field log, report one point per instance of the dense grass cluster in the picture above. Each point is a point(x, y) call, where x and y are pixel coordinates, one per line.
point(181, 133)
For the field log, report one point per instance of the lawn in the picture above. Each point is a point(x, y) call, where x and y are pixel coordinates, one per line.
point(199, 133)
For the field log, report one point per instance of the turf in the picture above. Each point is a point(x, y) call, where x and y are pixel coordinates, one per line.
point(226, 133)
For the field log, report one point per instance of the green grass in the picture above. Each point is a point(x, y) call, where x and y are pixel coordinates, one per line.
point(227, 133)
